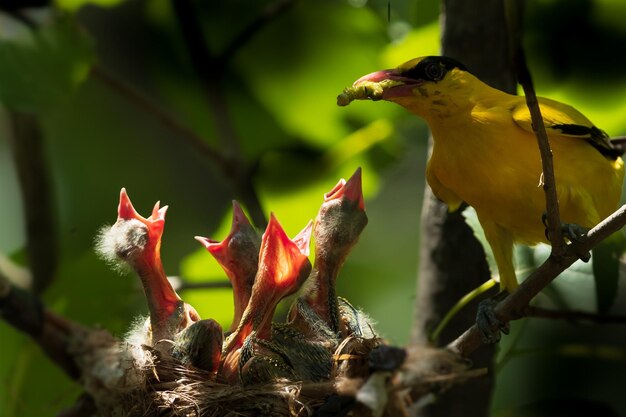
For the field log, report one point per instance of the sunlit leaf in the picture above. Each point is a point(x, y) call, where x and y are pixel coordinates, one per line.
point(337, 55)
point(421, 41)
point(74, 5)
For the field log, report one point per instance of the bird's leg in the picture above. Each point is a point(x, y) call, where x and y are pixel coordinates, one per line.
point(238, 254)
point(137, 241)
point(501, 243)
point(339, 223)
point(283, 267)
point(487, 321)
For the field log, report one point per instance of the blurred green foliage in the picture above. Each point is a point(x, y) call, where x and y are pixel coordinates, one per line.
point(280, 90)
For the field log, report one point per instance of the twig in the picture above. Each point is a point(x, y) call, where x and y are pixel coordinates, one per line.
point(37, 198)
point(513, 306)
point(135, 97)
point(269, 13)
point(210, 72)
point(514, 10)
point(549, 184)
point(531, 311)
point(225, 166)
point(24, 311)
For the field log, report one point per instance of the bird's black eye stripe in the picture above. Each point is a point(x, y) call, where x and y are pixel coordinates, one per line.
point(576, 130)
point(433, 68)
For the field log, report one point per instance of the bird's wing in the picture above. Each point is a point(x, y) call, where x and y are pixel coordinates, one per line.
point(563, 120)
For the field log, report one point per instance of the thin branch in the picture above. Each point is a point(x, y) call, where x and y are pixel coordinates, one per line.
point(24, 311)
point(549, 183)
point(210, 73)
point(575, 315)
point(514, 10)
point(135, 97)
point(244, 189)
point(512, 307)
point(267, 15)
point(37, 198)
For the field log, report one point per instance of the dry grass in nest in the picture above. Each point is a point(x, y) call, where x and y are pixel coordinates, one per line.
point(369, 378)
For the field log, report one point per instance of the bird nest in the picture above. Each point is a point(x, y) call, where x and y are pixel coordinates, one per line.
point(325, 360)
point(174, 390)
point(369, 378)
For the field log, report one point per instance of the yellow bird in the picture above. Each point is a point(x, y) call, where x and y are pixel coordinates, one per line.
point(485, 153)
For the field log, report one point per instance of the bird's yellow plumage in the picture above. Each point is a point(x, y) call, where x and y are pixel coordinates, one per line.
point(485, 153)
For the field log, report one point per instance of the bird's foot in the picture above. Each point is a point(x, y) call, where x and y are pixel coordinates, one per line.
point(487, 321)
point(573, 232)
point(576, 235)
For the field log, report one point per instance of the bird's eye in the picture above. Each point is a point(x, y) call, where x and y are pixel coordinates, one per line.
point(434, 72)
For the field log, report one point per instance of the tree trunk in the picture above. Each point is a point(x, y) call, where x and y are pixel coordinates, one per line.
point(452, 261)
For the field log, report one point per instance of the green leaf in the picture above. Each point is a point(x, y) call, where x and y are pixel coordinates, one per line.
point(606, 261)
point(74, 5)
point(39, 68)
point(421, 41)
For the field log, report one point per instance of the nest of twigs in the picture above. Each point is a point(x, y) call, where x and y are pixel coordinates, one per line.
point(369, 378)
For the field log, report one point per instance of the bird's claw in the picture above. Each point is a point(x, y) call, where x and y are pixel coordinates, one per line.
point(487, 321)
point(575, 233)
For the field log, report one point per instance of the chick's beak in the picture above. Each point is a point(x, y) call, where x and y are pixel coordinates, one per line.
point(351, 190)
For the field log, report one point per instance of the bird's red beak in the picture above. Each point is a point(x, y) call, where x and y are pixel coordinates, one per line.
point(162, 299)
point(378, 76)
point(238, 255)
point(352, 190)
point(154, 223)
point(221, 250)
point(283, 259)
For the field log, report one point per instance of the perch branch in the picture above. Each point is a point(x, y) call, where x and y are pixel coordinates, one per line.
point(37, 198)
point(514, 11)
point(547, 178)
point(513, 306)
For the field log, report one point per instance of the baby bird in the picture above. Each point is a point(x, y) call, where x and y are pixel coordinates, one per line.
point(340, 221)
point(136, 241)
point(238, 254)
point(250, 355)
